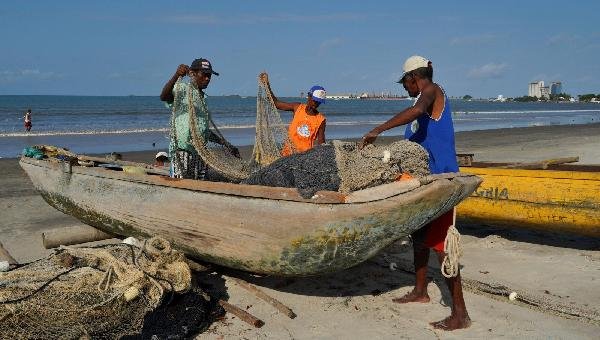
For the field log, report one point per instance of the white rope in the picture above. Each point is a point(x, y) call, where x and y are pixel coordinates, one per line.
point(453, 249)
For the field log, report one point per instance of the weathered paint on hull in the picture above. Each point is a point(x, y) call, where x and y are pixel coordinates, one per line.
point(565, 201)
point(255, 234)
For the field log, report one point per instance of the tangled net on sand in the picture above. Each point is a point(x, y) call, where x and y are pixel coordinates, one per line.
point(98, 292)
point(341, 166)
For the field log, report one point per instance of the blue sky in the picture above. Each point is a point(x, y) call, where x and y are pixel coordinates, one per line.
point(481, 48)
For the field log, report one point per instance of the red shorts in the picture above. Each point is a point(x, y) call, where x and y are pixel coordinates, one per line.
point(27, 124)
point(435, 231)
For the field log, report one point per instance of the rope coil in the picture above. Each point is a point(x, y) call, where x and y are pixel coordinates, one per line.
point(450, 265)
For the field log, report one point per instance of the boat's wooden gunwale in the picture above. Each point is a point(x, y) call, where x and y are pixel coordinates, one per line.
point(288, 194)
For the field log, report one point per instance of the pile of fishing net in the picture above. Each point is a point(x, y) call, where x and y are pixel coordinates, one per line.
point(341, 166)
point(110, 291)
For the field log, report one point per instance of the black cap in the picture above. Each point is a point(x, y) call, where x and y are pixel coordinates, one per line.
point(202, 65)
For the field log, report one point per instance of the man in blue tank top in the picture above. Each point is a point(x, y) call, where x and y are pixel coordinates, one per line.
point(429, 124)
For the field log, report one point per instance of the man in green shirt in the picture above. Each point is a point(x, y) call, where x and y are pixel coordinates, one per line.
point(186, 163)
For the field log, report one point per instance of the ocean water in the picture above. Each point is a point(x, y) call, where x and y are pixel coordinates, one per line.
point(106, 124)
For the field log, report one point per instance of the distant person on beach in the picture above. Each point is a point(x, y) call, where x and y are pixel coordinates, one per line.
point(185, 161)
point(27, 119)
point(307, 128)
point(429, 124)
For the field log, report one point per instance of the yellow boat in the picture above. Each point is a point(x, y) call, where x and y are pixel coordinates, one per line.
point(548, 195)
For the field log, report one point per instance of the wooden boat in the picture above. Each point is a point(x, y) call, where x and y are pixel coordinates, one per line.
point(254, 228)
point(549, 195)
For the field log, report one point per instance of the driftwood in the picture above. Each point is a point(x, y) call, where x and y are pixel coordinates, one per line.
point(242, 314)
point(5, 256)
point(262, 295)
point(543, 164)
point(73, 235)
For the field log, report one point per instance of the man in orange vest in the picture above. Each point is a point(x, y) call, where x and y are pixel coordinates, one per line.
point(307, 128)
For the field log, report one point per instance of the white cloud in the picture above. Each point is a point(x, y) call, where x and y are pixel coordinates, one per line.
point(192, 19)
point(330, 43)
point(562, 39)
point(490, 70)
point(473, 39)
point(27, 74)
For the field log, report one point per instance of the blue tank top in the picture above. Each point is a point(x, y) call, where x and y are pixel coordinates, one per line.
point(437, 137)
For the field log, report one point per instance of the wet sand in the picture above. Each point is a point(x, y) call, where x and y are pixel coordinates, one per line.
point(356, 303)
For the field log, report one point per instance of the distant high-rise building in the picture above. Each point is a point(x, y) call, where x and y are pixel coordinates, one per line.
point(556, 87)
point(535, 89)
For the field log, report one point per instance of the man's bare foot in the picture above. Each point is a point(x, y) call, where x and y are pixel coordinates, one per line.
point(412, 297)
point(452, 322)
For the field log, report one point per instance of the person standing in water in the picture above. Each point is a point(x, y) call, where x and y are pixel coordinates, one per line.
point(27, 119)
point(307, 128)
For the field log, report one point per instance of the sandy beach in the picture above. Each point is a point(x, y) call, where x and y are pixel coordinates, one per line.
point(356, 303)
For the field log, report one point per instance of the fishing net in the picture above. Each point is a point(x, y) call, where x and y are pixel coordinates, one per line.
point(271, 132)
point(341, 166)
point(217, 152)
point(95, 292)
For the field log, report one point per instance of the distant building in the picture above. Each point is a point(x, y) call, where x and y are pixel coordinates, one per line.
point(340, 96)
point(556, 87)
point(537, 89)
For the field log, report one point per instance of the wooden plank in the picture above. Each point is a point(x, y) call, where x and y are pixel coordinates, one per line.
point(242, 314)
point(150, 169)
point(262, 295)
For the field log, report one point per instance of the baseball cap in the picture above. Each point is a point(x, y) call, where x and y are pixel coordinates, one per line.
point(161, 154)
point(412, 64)
point(317, 93)
point(202, 65)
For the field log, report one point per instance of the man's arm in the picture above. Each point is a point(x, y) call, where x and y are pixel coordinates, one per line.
point(167, 92)
point(321, 133)
point(406, 116)
point(280, 105)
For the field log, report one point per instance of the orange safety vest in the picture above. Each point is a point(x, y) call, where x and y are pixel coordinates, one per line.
point(302, 131)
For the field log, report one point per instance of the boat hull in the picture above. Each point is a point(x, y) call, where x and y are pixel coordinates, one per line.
point(550, 200)
point(257, 229)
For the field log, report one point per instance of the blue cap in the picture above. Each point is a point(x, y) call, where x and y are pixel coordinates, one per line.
point(317, 93)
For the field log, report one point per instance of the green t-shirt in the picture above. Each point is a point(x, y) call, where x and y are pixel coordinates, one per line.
point(180, 108)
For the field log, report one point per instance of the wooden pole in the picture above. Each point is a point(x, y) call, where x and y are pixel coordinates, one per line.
point(148, 168)
point(242, 314)
point(262, 295)
point(73, 235)
point(543, 164)
point(5, 256)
